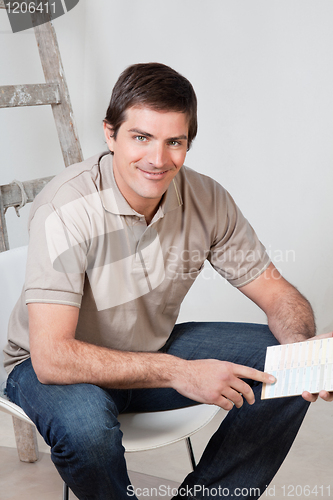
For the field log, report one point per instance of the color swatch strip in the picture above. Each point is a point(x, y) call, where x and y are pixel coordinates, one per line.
point(303, 366)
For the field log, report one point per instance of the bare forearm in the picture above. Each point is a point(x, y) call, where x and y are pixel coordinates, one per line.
point(291, 319)
point(290, 315)
point(73, 362)
point(59, 358)
point(206, 381)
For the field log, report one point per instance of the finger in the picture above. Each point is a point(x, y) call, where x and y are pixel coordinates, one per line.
point(253, 374)
point(311, 398)
point(326, 396)
point(233, 396)
point(244, 390)
point(322, 336)
point(224, 403)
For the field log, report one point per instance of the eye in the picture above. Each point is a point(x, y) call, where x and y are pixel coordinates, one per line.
point(174, 143)
point(140, 138)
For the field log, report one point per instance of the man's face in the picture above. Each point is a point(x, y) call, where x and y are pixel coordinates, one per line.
point(149, 150)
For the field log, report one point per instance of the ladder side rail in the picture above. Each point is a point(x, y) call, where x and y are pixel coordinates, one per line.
point(4, 243)
point(54, 72)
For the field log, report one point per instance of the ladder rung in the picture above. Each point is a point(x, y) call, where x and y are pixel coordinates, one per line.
point(29, 95)
point(12, 196)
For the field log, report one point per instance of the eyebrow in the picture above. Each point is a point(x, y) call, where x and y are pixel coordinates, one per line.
point(147, 134)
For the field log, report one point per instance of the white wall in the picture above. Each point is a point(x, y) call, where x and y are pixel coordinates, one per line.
point(263, 74)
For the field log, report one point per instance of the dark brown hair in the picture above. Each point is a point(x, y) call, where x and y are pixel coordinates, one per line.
point(156, 86)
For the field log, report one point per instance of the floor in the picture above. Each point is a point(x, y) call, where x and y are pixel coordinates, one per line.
point(306, 473)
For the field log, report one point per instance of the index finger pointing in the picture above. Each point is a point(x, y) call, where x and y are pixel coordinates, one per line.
point(253, 374)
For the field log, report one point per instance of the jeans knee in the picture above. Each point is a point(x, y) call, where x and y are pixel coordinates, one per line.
point(87, 440)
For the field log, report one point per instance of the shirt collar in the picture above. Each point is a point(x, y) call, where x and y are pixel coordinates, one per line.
point(114, 202)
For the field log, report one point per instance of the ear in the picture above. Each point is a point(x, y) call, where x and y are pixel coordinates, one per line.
point(108, 132)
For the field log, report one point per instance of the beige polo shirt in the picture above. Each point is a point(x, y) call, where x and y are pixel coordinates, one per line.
point(89, 249)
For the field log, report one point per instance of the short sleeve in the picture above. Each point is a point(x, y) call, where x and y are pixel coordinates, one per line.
point(236, 253)
point(56, 259)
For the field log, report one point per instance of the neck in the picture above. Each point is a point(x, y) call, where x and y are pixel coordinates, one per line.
point(148, 210)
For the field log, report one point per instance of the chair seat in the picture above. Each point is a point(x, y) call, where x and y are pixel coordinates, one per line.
point(146, 431)
point(14, 410)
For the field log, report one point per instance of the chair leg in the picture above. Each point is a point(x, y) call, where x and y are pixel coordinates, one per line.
point(66, 492)
point(26, 440)
point(190, 452)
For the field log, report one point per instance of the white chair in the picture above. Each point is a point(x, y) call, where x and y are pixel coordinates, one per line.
point(142, 431)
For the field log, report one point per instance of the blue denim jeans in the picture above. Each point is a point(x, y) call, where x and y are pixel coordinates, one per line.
point(79, 422)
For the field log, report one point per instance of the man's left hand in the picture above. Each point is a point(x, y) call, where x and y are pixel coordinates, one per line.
point(325, 395)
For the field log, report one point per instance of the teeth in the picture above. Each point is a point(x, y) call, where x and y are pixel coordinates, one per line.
point(153, 173)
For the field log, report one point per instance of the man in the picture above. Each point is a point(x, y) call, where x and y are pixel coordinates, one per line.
point(115, 244)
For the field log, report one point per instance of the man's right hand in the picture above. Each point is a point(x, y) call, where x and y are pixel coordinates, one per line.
point(218, 382)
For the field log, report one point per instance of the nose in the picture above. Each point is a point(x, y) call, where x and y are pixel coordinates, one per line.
point(158, 155)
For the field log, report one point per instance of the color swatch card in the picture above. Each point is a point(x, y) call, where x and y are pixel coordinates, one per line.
point(303, 366)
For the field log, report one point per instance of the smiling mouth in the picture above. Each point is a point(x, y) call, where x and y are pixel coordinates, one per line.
point(153, 173)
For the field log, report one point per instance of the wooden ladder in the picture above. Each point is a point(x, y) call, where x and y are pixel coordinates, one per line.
point(53, 92)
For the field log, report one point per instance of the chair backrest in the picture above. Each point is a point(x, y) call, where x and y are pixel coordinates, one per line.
point(12, 274)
